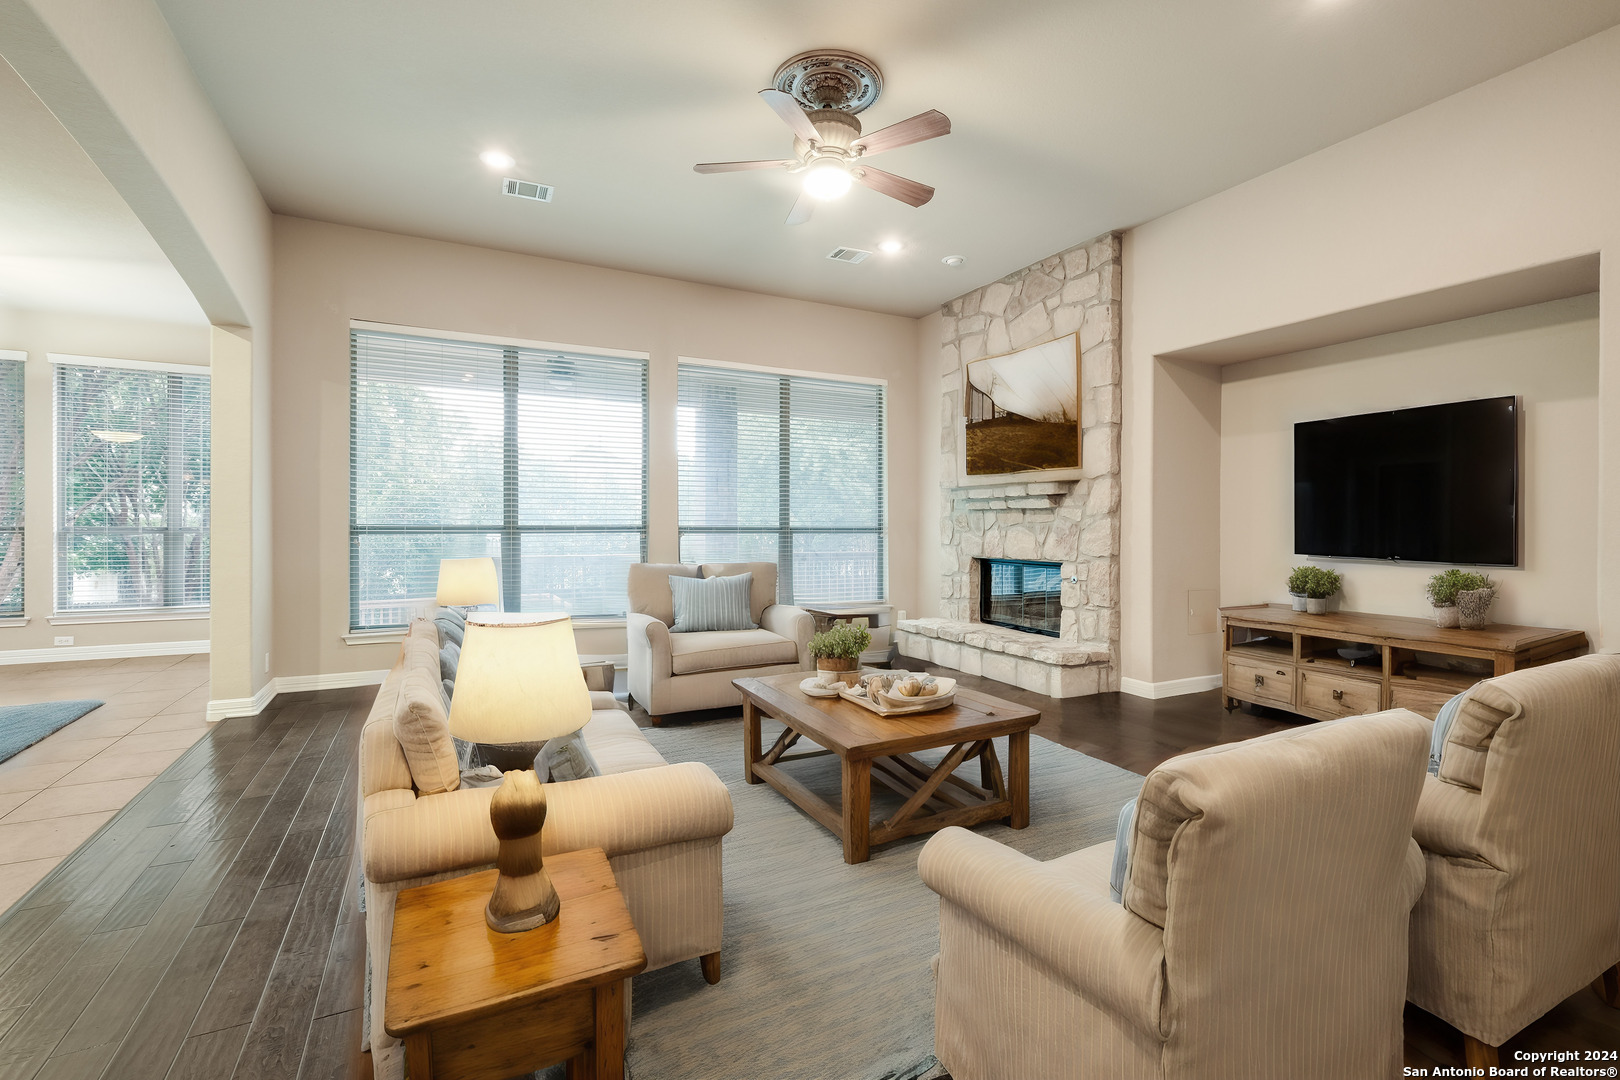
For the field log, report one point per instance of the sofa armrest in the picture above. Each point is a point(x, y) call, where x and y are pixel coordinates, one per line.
point(1448, 819)
point(650, 662)
point(604, 701)
point(1099, 949)
point(409, 836)
point(635, 811)
point(793, 623)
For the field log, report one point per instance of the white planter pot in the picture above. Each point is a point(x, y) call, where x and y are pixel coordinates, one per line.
point(1299, 601)
point(1316, 605)
point(1446, 617)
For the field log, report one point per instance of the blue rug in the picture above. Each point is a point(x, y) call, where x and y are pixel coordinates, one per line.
point(21, 726)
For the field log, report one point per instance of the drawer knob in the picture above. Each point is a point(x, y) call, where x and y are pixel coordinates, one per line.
point(1338, 695)
point(1259, 680)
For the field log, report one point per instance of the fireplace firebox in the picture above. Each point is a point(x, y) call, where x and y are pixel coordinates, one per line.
point(1021, 595)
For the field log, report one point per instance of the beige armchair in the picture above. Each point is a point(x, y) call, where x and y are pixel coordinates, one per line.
point(1521, 833)
point(1262, 935)
point(672, 673)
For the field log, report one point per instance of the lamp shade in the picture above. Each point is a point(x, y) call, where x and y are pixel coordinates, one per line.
point(519, 680)
point(468, 582)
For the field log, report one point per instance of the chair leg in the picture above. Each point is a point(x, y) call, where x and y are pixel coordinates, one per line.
point(711, 968)
point(1477, 1055)
point(1607, 986)
point(656, 721)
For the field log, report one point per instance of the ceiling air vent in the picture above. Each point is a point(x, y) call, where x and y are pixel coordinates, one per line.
point(849, 255)
point(526, 189)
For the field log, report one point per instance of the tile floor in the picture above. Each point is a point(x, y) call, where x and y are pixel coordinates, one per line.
point(59, 791)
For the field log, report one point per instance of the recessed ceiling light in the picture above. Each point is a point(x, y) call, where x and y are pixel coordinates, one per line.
point(891, 247)
point(498, 160)
point(953, 260)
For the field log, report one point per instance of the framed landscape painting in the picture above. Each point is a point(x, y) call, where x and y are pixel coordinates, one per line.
point(1021, 413)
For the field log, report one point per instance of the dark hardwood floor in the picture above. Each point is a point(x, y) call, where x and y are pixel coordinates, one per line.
point(211, 930)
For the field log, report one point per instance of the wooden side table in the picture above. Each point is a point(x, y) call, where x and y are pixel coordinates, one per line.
point(473, 1004)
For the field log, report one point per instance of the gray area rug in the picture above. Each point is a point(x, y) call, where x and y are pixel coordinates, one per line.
point(826, 966)
point(21, 726)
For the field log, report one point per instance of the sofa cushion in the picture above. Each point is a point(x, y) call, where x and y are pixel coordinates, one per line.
point(617, 744)
point(449, 630)
point(761, 593)
point(649, 589)
point(719, 603)
point(721, 650)
point(1468, 739)
point(452, 615)
point(421, 722)
point(449, 660)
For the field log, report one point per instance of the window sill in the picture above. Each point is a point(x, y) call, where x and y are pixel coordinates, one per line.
point(15, 620)
point(159, 615)
point(374, 637)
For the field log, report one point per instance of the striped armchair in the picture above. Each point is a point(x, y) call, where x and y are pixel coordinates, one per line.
point(1262, 934)
point(661, 826)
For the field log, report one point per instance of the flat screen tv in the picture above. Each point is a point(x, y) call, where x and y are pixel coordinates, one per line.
point(1437, 484)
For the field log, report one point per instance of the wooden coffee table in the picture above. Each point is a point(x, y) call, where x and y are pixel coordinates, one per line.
point(871, 747)
point(474, 1004)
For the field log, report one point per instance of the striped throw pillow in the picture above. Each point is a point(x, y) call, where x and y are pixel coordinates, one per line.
point(717, 603)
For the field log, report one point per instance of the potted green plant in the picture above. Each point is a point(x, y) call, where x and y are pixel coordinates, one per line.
point(1445, 587)
point(1299, 579)
point(1320, 586)
point(838, 651)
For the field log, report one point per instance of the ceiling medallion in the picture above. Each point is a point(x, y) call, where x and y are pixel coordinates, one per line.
point(830, 79)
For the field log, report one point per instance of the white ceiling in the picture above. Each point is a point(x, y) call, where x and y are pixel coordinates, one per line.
point(67, 240)
point(1071, 117)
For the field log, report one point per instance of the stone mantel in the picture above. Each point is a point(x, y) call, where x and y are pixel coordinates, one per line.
point(1073, 522)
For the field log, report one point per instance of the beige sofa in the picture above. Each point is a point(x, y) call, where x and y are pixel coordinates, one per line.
point(1262, 934)
point(660, 824)
point(1521, 832)
point(672, 673)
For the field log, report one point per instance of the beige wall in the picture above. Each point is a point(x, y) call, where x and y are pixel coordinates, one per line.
point(114, 75)
point(1546, 354)
point(1514, 173)
point(327, 275)
point(931, 431)
point(39, 333)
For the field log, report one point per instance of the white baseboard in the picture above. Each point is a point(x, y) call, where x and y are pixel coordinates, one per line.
point(1169, 688)
point(102, 652)
point(225, 708)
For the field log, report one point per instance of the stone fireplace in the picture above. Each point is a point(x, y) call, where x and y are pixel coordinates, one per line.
point(1072, 524)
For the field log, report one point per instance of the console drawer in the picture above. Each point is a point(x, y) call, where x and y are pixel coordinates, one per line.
point(1331, 695)
point(1420, 700)
point(1268, 683)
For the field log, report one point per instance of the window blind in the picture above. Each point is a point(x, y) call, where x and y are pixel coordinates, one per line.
point(132, 485)
point(462, 449)
point(11, 485)
point(784, 469)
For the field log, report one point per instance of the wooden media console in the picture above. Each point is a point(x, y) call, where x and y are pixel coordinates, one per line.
point(1273, 655)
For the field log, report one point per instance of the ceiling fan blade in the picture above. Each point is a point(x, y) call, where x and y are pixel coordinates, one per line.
point(788, 109)
point(895, 187)
point(802, 209)
point(929, 125)
point(740, 166)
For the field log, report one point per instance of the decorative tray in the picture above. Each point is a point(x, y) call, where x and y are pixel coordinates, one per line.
point(887, 704)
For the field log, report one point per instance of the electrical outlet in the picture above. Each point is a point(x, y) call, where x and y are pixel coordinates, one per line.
point(64, 640)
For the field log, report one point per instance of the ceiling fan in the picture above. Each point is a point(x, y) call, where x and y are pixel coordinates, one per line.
point(817, 94)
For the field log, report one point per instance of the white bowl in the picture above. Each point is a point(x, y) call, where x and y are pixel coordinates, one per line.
point(947, 687)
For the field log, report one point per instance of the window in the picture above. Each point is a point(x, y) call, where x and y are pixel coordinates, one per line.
point(784, 469)
point(460, 449)
point(11, 483)
point(132, 486)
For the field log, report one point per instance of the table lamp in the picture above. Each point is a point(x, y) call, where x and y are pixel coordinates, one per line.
point(519, 681)
point(468, 582)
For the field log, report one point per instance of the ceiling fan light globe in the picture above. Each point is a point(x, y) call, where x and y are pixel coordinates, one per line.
point(826, 181)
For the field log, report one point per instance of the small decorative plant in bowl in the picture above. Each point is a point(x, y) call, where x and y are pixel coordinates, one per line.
point(1445, 589)
point(1320, 587)
point(838, 652)
point(1299, 580)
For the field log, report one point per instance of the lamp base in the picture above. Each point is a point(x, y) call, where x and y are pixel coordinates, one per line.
point(524, 897)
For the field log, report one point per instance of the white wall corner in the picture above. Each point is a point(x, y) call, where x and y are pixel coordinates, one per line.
point(1197, 684)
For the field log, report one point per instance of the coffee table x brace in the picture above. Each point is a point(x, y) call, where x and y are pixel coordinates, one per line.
point(872, 747)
